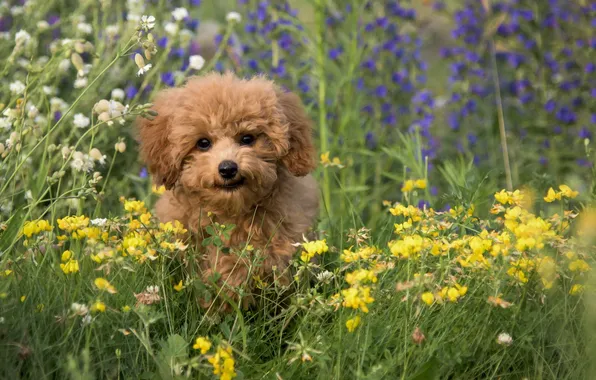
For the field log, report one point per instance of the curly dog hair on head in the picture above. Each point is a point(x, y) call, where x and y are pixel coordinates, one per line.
point(235, 151)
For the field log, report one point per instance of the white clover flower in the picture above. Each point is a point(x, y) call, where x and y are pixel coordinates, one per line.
point(325, 276)
point(147, 23)
point(180, 14)
point(112, 30)
point(5, 123)
point(117, 94)
point(22, 37)
point(96, 155)
point(143, 68)
point(85, 28)
point(99, 222)
point(42, 25)
point(196, 62)
point(154, 289)
point(28, 195)
point(81, 121)
point(79, 309)
point(171, 29)
point(504, 339)
point(233, 17)
point(17, 87)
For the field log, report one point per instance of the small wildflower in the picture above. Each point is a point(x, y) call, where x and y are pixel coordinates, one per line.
point(99, 222)
point(504, 339)
point(223, 363)
point(103, 284)
point(158, 190)
point(233, 17)
point(417, 336)
point(179, 286)
point(81, 121)
point(428, 298)
point(120, 147)
point(98, 307)
point(196, 62)
point(576, 289)
point(203, 344)
point(180, 14)
point(17, 87)
point(23, 298)
point(567, 192)
point(420, 184)
point(126, 308)
point(352, 323)
point(552, 196)
point(147, 22)
point(79, 309)
point(143, 68)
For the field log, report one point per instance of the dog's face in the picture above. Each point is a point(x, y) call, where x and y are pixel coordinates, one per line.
point(224, 140)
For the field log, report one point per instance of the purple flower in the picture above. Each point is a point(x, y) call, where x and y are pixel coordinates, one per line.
point(131, 91)
point(143, 173)
point(381, 91)
point(585, 133)
point(168, 78)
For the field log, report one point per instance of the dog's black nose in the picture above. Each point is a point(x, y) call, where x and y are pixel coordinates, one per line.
point(228, 169)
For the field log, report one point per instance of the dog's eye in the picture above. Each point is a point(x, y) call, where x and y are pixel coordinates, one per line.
point(247, 139)
point(203, 144)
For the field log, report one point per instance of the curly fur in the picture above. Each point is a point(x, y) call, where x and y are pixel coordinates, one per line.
point(278, 200)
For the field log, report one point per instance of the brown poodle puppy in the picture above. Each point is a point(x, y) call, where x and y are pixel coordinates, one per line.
point(239, 152)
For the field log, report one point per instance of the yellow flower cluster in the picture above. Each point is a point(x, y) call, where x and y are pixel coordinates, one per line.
point(203, 344)
point(35, 227)
point(411, 184)
point(363, 253)
point(565, 192)
point(451, 294)
point(223, 362)
point(134, 206)
point(69, 265)
point(73, 223)
point(326, 161)
point(312, 248)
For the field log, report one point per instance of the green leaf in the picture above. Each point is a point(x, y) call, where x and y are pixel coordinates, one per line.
point(172, 353)
point(428, 371)
point(15, 223)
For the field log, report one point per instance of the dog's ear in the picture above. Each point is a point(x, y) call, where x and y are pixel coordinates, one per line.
point(300, 158)
point(155, 147)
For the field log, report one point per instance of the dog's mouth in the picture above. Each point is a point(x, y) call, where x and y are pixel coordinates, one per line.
point(231, 185)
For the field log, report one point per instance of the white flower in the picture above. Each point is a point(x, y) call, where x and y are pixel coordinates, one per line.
point(196, 62)
point(80, 82)
point(64, 65)
point(180, 14)
point(81, 162)
point(120, 147)
point(147, 22)
point(112, 30)
point(81, 121)
point(504, 339)
point(79, 309)
point(32, 112)
point(5, 123)
point(171, 28)
point(42, 25)
point(85, 28)
point(153, 289)
point(96, 155)
point(17, 87)
point(57, 104)
point(86, 320)
point(144, 69)
point(49, 90)
point(117, 94)
point(16, 11)
point(99, 222)
point(28, 195)
point(233, 17)
point(22, 37)
point(325, 276)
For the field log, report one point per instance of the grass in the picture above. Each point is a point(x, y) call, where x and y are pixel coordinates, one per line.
point(498, 285)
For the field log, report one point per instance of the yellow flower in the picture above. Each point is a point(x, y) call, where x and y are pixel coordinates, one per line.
point(428, 298)
point(223, 363)
point(203, 344)
point(579, 266)
point(73, 223)
point(312, 248)
point(145, 218)
point(357, 298)
point(361, 276)
point(103, 284)
point(158, 190)
point(453, 294)
point(576, 289)
point(98, 306)
point(408, 186)
point(420, 184)
point(325, 158)
point(126, 308)
point(567, 192)
point(551, 196)
point(23, 298)
point(351, 324)
point(178, 287)
point(176, 227)
point(71, 266)
point(31, 228)
point(135, 206)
